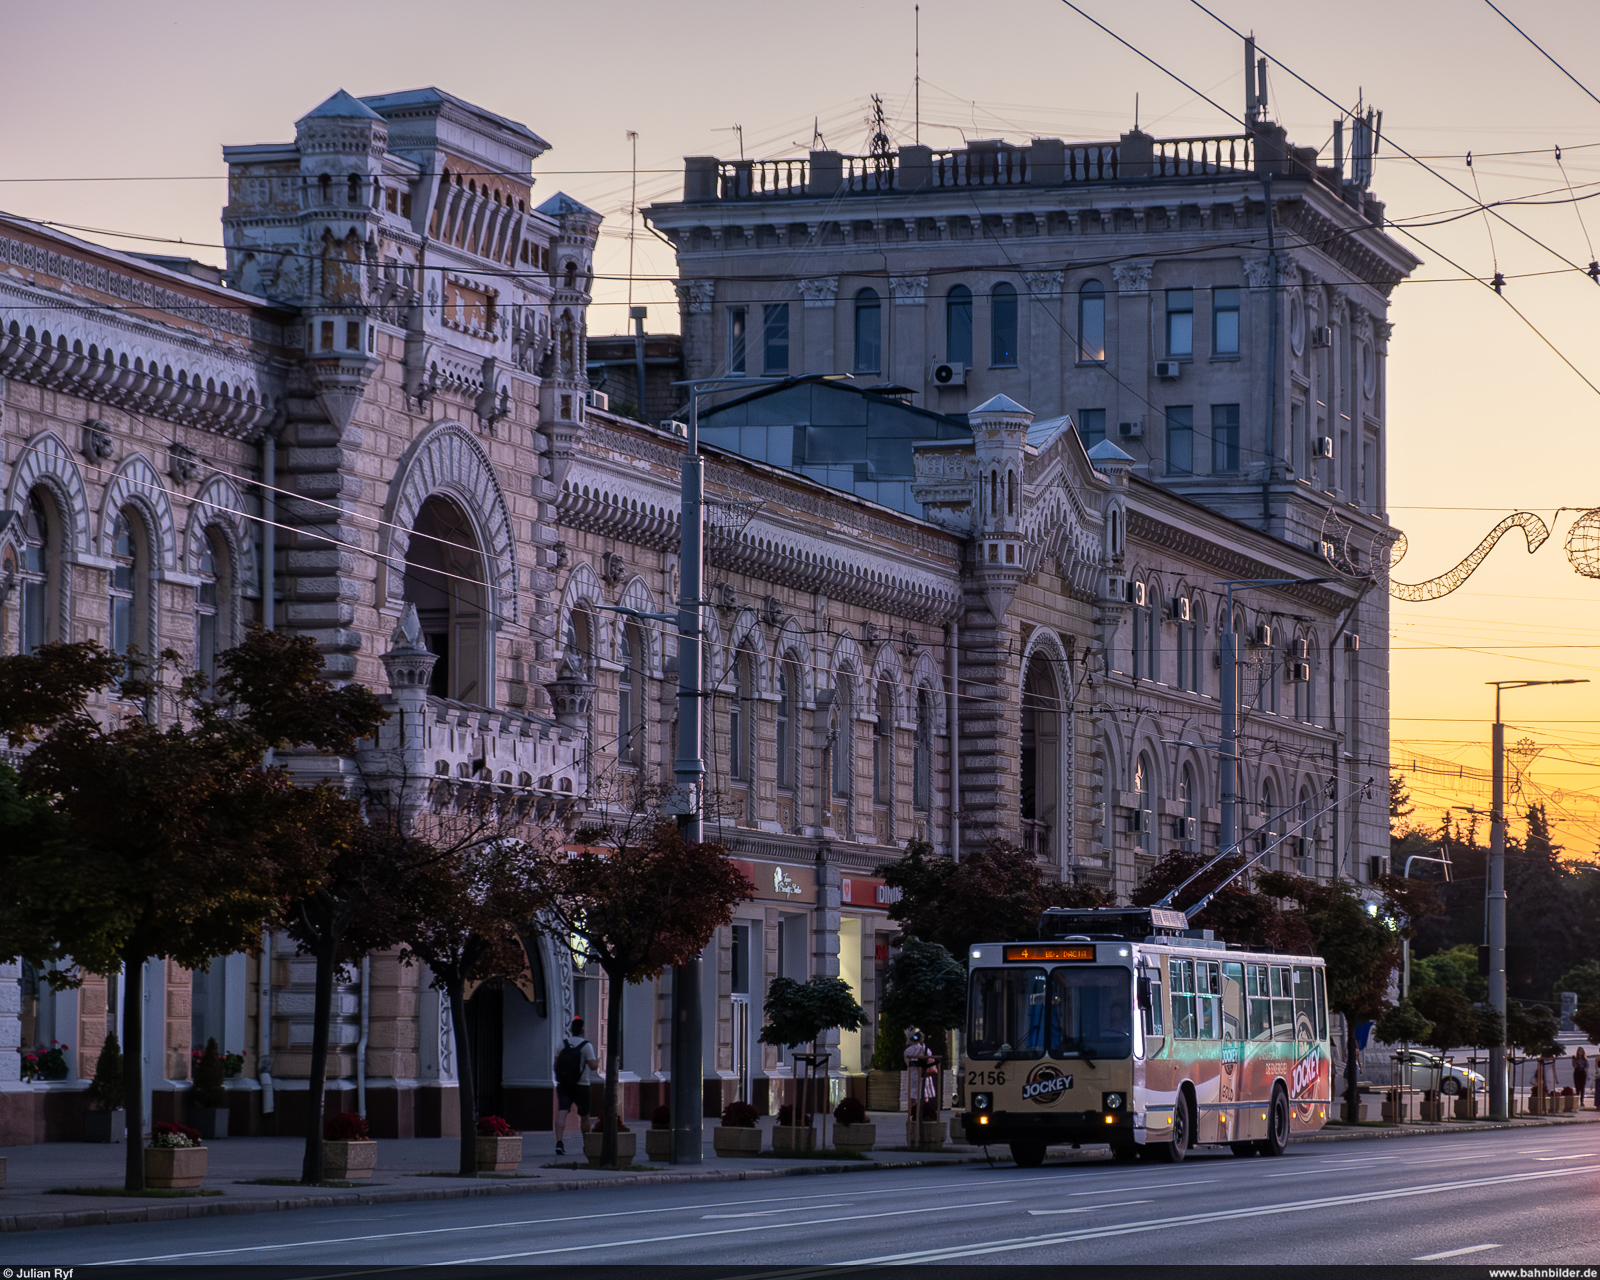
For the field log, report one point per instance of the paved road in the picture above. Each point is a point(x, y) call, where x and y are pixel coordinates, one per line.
point(1502, 1198)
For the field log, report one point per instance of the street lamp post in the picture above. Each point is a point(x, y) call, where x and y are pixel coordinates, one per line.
point(1499, 1102)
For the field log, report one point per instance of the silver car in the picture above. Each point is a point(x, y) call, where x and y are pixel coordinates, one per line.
point(1418, 1070)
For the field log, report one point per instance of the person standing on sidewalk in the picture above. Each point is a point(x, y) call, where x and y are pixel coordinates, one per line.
point(1580, 1073)
point(574, 1060)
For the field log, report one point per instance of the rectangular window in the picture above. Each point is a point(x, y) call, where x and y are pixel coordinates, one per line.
point(1003, 326)
point(1180, 323)
point(1281, 987)
point(1369, 471)
point(1224, 439)
point(1180, 440)
point(1257, 1003)
point(1183, 994)
point(1208, 1000)
point(327, 335)
point(1150, 1002)
point(1224, 322)
point(1006, 1014)
point(1091, 426)
point(775, 338)
point(352, 334)
point(736, 339)
point(1092, 324)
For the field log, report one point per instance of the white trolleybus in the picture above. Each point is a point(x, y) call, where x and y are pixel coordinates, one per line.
point(1124, 1026)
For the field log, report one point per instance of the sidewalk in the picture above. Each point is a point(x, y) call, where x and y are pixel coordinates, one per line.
point(28, 1204)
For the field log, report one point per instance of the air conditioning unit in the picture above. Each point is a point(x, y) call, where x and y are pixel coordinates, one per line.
point(1169, 368)
point(597, 400)
point(1352, 642)
point(1136, 594)
point(949, 373)
point(1180, 609)
point(1377, 867)
point(1186, 829)
point(1322, 447)
point(1300, 672)
point(1141, 821)
point(1130, 430)
point(1301, 649)
point(1322, 335)
point(1264, 635)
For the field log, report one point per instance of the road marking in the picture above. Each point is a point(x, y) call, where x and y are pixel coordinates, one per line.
point(701, 1235)
point(1454, 1253)
point(1220, 1215)
point(1087, 1208)
point(1144, 1186)
point(767, 1213)
point(1582, 1155)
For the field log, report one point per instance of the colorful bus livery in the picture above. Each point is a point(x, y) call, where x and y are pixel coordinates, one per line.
point(1151, 1042)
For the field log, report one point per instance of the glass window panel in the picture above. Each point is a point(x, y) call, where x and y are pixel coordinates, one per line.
point(1180, 323)
point(1091, 1013)
point(1091, 426)
point(1092, 322)
point(775, 338)
point(869, 332)
point(736, 339)
point(1180, 440)
point(1225, 322)
point(1003, 326)
point(1006, 1014)
point(1224, 438)
point(958, 325)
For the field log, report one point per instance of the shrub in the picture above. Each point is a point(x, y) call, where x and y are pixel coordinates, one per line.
point(850, 1111)
point(786, 1114)
point(105, 1090)
point(163, 1134)
point(1566, 1091)
point(661, 1117)
point(208, 1077)
point(347, 1126)
point(495, 1127)
point(739, 1115)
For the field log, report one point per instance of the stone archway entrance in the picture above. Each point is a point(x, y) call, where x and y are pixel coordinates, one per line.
point(1041, 759)
point(445, 580)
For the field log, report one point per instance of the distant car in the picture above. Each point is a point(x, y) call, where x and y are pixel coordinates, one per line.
point(1419, 1070)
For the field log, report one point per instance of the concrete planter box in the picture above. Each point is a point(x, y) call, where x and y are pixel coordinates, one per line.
point(925, 1135)
point(1432, 1110)
point(1397, 1110)
point(737, 1140)
point(883, 1090)
point(793, 1137)
point(105, 1126)
point(499, 1155)
point(1359, 1117)
point(855, 1137)
point(1569, 1102)
point(658, 1144)
point(175, 1168)
point(627, 1148)
point(348, 1161)
point(211, 1121)
point(1467, 1107)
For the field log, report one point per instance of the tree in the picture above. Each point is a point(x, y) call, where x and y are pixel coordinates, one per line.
point(167, 839)
point(1454, 1020)
point(105, 1090)
point(1404, 1024)
point(1587, 1020)
point(1583, 980)
point(1240, 913)
point(799, 1012)
point(1400, 806)
point(1456, 968)
point(642, 899)
point(926, 987)
point(993, 895)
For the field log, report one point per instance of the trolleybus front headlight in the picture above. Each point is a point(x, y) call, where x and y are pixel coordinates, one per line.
point(1113, 1102)
point(982, 1101)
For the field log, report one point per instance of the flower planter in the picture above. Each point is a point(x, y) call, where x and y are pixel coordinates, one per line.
point(499, 1155)
point(855, 1137)
point(174, 1168)
point(1467, 1107)
point(347, 1161)
point(105, 1126)
point(925, 1135)
point(658, 1143)
point(1360, 1113)
point(737, 1140)
point(1397, 1110)
point(1432, 1110)
point(883, 1090)
point(1569, 1102)
point(793, 1137)
point(627, 1148)
point(211, 1121)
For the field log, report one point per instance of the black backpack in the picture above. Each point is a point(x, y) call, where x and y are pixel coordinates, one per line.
point(569, 1064)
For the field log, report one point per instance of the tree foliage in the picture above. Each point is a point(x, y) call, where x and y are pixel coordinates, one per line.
point(1533, 1029)
point(1454, 1020)
point(1456, 968)
point(1583, 980)
point(799, 1012)
point(1404, 1024)
point(926, 987)
point(1240, 913)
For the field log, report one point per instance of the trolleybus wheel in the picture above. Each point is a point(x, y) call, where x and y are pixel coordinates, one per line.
point(1277, 1140)
point(1028, 1155)
point(1173, 1152)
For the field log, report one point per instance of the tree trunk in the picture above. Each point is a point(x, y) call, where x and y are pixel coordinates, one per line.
point(608, 1131)
point(322, 1011)
point(133, 1069)
point(464, 1090)
point(1352, 1065)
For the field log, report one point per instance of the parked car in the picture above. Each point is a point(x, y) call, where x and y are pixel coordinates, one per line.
point(1419, 1070)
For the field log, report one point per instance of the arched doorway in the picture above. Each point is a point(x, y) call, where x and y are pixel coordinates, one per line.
point(1041, 758)
point(486, 1048)
point(445, 580)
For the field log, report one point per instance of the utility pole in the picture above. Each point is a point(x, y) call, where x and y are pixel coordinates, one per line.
point(1499, 1100)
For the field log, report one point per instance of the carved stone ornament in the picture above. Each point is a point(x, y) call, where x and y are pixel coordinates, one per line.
point(909, 291)
point(183, 465)
point(1043, 284)
point(1132, 277)
point(819, 292)
point(97, 444)
point(1257, 270)
point(694, 296)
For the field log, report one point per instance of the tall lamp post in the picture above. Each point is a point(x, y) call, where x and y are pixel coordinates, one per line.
point(1229, 746)
point(1499, 1102)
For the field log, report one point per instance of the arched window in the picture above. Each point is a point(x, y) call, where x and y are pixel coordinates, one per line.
point(1197, 631)
point(922, 753)
point(958, 325)
point(841, 734)
point(40, 575)
point(325, 187)
point(1003, 326)
point(128, 585)
point(994, 493)
point(1152, 630)
point(739, 717)
point(1145, 804)
point(869, 332)
point(572, 275)
point(1011, 493)
point(212, 625)
point(1269, 809)
point(578, 642)
point(883, 746)
point(785, 725)
point(1040, 772)
point(352, 193)
point(1186, 791)
point(630, 697)
point(1092, 322)
point(445, 580)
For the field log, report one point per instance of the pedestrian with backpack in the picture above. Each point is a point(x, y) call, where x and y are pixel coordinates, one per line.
point(573, 1061)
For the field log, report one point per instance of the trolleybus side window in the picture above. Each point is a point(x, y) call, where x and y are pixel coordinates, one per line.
point(1007, 1014)
point(1181, 973)
point(1305, 997)
point(1322, 1005)
point(1150, 1001)
point(1208, 999)
point(1259, 1004)
point(1282, 1003)
point(1090, 1013)
point(1232, 999)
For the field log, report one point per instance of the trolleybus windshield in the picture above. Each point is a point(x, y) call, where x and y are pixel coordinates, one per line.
point(1073, 1012)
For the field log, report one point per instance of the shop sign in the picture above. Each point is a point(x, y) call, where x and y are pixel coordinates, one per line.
point(774, 882)
point(863, 892)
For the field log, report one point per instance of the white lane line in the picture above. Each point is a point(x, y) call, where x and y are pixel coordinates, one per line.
point(721, 1231)
point(1144, 1186)
point(1454, 1253)
point(1087, 1208)
point(1582, 1155)
point(767, 1213)
point(1220, 1215)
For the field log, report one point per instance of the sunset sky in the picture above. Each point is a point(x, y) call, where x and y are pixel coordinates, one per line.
point(116, 113)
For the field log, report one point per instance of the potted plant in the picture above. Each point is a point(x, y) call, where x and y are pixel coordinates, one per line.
point(737, 1135)
point(106, 1121)
point(627, 1147)
point(798, 1013)
point(348, 1152)
point(499, 1146)
point(658, 1137)
point(1432, 1106)
point(208, 1099)
point(886, 1074)
point(175, 1159)
point(851, 1129)
point(926, 988)
point(789, 1136)
point(45, 1064)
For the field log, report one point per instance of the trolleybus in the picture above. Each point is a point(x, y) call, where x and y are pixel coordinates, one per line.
point(1124, 1026)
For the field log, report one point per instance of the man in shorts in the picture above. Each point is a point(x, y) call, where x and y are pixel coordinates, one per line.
point(574, 1060)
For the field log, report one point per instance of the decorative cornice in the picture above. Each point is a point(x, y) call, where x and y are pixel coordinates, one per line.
point(695, 296)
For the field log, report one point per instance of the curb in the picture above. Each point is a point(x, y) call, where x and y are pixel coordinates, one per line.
point(1445, 1127)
